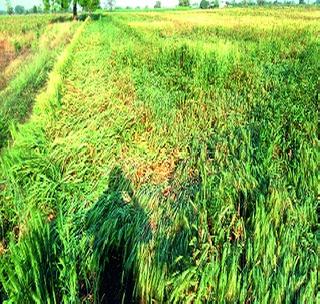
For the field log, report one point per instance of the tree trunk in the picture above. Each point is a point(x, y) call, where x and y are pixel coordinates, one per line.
point(74, 11)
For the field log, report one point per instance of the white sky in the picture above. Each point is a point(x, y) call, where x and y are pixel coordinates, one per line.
point(143, 3)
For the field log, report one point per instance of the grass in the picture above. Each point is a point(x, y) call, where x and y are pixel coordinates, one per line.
point(28, 76)
point(23, 28)
point(20, 38)
point(171, 159)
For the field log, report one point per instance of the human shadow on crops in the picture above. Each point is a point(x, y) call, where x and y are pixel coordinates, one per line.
point(119, 225)
point(123, 231)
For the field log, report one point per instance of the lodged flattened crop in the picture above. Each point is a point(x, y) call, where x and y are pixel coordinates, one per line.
point(172, 159)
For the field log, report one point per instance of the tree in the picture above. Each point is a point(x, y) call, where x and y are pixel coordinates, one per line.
point(74, 9)
point(9, 7)
point(204, 4)
point(157, 4)
point(34, 9)
point(19, 9)
point(214, 4)
point(63, 4)
point(55, 5)
point(89, 5)
point(302, 2)
point(111, 4)
point(46, 5)
point(184, 3)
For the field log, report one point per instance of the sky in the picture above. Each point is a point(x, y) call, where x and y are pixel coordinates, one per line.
point(143, 3)
point(122, 3)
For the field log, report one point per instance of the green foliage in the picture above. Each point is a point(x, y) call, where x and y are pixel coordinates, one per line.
point(32, 262)
point(184, 3)
point(89, 5)
point(261, 2)
point(56, 5)
point(34, 9)
point(17, 98)
point(19, 9)
point(46, 5)
point(9, 7)
point(110, 4)
point(157, 4)
point(15, 26)
point(204, 4)
point(172, 161)
point(64, 4)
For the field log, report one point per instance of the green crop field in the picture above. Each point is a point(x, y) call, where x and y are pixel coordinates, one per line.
point(29, 46)
point(170, 157)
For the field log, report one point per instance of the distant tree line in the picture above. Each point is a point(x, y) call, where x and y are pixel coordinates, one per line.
point(91, 5)
point(184, 3)
point(57, 6)
point(209, 4)
point(20, 9)
point(66, 5)
point(206, 4)
point(158, 4)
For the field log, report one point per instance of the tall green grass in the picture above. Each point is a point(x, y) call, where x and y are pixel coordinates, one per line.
point(162, 168)
point(18, 96)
